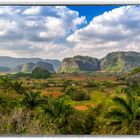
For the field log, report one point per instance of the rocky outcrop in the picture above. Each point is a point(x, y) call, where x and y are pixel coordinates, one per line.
point(28, 67)
point(120, 61)
point(116, 61)
point(12, 62)
point(80, 64)
point(56, 63)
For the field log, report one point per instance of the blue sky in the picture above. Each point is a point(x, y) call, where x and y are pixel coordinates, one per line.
point(56, 32)
point(92, 11)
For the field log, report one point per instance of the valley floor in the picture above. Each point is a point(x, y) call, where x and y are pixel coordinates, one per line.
point(67, 104)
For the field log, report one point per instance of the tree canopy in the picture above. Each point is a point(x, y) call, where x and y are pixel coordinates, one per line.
point(40, 73)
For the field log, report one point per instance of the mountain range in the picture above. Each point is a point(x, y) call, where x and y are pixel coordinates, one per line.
point(28, 67)
point(8, 64)
point(115, 61)
point(120, 61)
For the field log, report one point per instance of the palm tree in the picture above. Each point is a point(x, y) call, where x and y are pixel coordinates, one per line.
point(126, 111)
point(5, 79)
point(31, 99)
point(5, 84)
point(59, 112)
point(17, 86)
point(57, 108)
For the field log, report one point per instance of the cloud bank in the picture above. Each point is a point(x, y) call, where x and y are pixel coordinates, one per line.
point(116, 30)
point(56, 32)
point(37, 31)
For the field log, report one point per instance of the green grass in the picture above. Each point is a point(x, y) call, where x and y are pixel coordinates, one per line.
point(116, 66)
point(9, 94)
point(101, 94)
point(70, 69)
point(96, 97)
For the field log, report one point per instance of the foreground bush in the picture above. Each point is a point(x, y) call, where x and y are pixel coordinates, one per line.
point(59, 111)
point(21, 121)
point(126, 111)
point(77, 94)
point(135, 71)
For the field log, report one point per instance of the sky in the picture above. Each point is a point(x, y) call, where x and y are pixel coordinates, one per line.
point(56, 32)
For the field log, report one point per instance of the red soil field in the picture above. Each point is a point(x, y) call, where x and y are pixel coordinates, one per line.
point(83, 77)
point(81, 108)
point(54, 94)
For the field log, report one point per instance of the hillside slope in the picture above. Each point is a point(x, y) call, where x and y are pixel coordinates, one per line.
point(80, 64)
point(11, 62)
point(28, 67)
point(120, 61)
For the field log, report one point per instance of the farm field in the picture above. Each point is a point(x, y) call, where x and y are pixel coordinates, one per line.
point(78, 103)
point(54, 87)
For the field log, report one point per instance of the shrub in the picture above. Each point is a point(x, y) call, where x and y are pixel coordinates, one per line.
point(92, 84)
point(59, 111)
point(31, 99)
point(134, 81)
point(77, 94)
point(68, 83)
point(40, 73)
point(124, 112)
point(69, 90)
point(21, 74)
point(76, 123)
point(18, 87)
point(134, 71)
point(91, 123)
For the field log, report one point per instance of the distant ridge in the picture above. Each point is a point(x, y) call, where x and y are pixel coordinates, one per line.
point(115, 61)
point(11, 62)
point(28, 67)
point(120, 61)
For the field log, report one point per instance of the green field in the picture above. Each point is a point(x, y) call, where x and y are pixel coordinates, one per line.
point(85, 103)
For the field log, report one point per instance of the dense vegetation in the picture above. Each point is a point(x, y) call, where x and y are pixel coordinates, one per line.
point(40, 73)
point(41, 103)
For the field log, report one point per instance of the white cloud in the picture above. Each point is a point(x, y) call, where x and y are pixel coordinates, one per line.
point(54, 28)
point(112, 31)
point(32, 11)
point(37, 31)
point(8, 10)
point(79, 20)
point(54, 32)
point(59, 49)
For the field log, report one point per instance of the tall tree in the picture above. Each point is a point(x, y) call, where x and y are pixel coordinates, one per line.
point(31, 99)
point(126, 110)
point(59, 111)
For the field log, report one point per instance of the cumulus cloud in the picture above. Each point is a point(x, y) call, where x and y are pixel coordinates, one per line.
point(56, 32)
point(32, 11)
point(37, 31)
point(116, 30)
